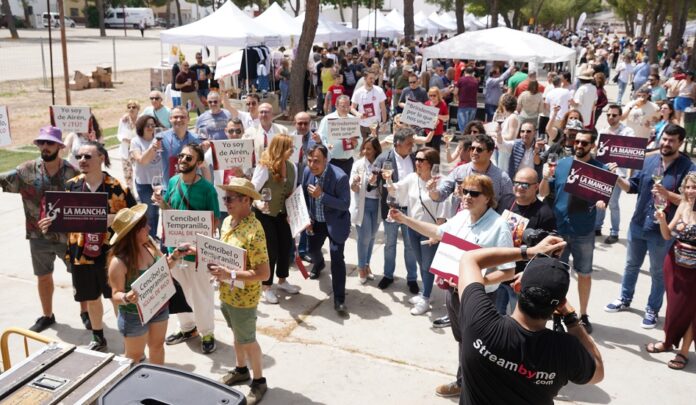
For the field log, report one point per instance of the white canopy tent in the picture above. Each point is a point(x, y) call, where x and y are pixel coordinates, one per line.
point(397, 20)
point(444, 22)
point(328, 30)
point(383, 29)
point(471, 23)
point(431, 27)
point(275, 19)
point(501, 43)
point(228, 26)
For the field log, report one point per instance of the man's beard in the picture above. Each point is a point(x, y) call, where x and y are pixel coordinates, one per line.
point(46, 157)
point(188, 169)
point(672, 152)
point(581, 153)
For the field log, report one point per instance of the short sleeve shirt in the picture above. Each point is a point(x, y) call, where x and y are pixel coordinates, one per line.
point(145, 173)
point(248, 235)
point(369, 101)
point(214, 123)
point(574, 216)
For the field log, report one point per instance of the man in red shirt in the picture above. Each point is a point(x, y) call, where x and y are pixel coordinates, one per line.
point(466, 90)
point(525, 84)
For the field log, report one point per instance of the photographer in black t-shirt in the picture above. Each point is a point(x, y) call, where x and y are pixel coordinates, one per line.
point(516, 359)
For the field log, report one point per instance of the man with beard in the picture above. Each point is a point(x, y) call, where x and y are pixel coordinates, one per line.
point(190, 191)
point(643, 233)
point(32, 179)
point(174, 141)
point(575, 218)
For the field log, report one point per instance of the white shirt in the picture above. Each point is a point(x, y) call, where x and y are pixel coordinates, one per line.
point(558, 96)
point(374, 96)
point(639, 118)
point(412, 193)
point(404, 165)
point(625, 71)
point(246, 119)
point(586, 97)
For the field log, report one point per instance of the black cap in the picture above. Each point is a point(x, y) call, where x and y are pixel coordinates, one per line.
point(548, 274)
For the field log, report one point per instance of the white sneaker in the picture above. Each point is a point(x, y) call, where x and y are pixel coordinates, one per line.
point(421, 307)
point(288, 288)
point(415, 299)
point(270, 297)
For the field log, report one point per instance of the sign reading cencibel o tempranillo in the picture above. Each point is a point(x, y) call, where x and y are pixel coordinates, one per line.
point(625, 151)
point(77, 211)
point(590, 182)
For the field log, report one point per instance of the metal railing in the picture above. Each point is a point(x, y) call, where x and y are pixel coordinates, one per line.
point(26, 334)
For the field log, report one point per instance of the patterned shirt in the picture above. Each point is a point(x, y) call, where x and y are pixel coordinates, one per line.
point(319, 207)
point(118, 198)
point(249, 235)
point(31, 180)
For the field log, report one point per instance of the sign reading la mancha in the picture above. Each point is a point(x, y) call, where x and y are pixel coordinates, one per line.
point(590, 183)
point(77, 211)
point(625, 151)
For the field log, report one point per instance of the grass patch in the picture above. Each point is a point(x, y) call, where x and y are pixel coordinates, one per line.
point(10, 159)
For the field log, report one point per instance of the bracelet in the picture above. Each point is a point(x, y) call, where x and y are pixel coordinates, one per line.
point(233, 274)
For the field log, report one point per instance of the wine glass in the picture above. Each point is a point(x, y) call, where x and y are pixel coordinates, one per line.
point(658, 174)
point(313, 126)
point(266, 198)
point(552, 161)
point(448, 136)
point(183, 247)
point(660, 204)
point(159, 135)
point(203, 133)
point(498, 118)
point(392, 203)
point(387, 170)
point(157, 185)
point(435, 172)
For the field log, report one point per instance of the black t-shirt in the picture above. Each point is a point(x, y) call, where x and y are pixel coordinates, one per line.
point(503, 363)
point(202, 71)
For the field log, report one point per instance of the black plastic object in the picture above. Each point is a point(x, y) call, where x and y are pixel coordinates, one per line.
point(159, 385)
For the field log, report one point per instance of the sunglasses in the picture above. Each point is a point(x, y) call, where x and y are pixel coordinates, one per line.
point(132, 107)
point(612, 115)
point(412, 82)
point(213, 102)
point(155, 98)
point(85, 156)
point(230, 199)
point(251, 104)
point(234, 131)
point(49, 143)
point(186, 158)
point(472, 193)
point(478, 149)
point(583, 143)
point(420, 159)
point(522, 185)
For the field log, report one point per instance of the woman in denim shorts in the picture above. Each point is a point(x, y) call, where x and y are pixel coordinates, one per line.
point(131, 254)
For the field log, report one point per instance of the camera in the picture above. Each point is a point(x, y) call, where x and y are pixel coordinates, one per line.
point(531, 237)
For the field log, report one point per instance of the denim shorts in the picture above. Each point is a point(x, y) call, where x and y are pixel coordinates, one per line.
point(130, 326)
point(582, 249)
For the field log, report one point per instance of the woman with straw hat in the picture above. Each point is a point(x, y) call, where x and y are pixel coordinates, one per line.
point(132, 253)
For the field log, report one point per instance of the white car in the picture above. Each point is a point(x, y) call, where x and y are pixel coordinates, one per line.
point(55, 20)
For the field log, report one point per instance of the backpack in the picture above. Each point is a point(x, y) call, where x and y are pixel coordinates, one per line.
point(350, 77)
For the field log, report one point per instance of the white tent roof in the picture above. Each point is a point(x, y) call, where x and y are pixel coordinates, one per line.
point(444, 22)
point(228, 26)
point(501, 43)
point(366, 26)
point(431, 27)
point(275, 19)
point(397, 20)
point(328, 30)
point(471, 23)
point(229, 65)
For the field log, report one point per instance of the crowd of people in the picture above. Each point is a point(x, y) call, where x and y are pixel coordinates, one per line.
point(511, 149)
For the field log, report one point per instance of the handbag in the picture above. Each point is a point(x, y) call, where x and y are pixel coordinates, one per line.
point(684, 255)
point(615, 79)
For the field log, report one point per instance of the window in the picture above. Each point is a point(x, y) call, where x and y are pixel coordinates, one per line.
point(74, 12)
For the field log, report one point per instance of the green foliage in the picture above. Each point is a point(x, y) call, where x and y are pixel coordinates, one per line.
point(361, 3)
point(91, 16)
point(445, 5)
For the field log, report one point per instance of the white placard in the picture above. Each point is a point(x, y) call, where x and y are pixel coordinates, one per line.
point(232, 153)
point(213, 251)
point(69, 118)
point(154, 288)
point(182, 226)
point(297, 143)
point(4, 126)
point(343, 128)
point(419, 115)
point(298, 216)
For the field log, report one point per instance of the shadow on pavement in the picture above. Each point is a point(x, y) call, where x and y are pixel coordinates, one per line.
point(583, 393)
point(277, 395)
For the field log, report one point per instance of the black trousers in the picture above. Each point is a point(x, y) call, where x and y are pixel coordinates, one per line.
point(278, 242)
point(338, 264)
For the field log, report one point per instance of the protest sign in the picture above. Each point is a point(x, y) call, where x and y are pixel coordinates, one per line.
point(590, 183)
point(419, 115)
point(342, 128)
point(517, 224)
point(297, 211)
point(69, 118)
point(212, 251)
point(449, 251)
point(297, 144)
point(77, 211)
point(233, 153)
point(182, 226)
point(625, 151)
point(154, 288)
point(4, 126)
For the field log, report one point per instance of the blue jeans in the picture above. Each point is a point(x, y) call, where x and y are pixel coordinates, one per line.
point(284, 89)
point(615, 213)
point(582, 249)
point(391, 234)
point(424, 255)
point(506, 295)
point(464, 115)
point(145, 196)
point(640, 243)
point(490, 111)
point(367, 231)
point(622, 88)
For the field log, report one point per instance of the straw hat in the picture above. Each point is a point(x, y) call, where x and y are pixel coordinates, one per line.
point(125, 220)
point(586, 74)
point(242, 186)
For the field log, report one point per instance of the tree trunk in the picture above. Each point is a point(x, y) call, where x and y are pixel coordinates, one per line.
point(27, 15)
point(9, 18)
point(516, 18)
point(409, 25)
point(459, 13)
point(536, 11)
point(494, 13)
point(100, 11)
point(169, 13)
point(679, 15)
point(178, 13)
point(656, 23)
point(508, 23)
point(354, 14)
point(339, 3)
point(692, 57)
point(299, 68)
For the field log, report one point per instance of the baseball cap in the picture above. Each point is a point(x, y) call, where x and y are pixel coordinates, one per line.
point(548, 274)
point(52, 134)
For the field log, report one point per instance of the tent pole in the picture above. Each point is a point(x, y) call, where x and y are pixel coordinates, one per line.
point(246, 63)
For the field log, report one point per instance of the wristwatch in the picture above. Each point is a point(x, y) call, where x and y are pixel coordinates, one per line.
point(571, 319)
point(523, 252)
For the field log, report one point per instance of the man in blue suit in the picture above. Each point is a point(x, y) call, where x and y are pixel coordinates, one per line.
point(327, 193)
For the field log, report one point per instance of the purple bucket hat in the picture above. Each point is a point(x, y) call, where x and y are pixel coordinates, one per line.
point(52, 134)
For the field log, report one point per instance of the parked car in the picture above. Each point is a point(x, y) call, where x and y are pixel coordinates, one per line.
point(54, 19)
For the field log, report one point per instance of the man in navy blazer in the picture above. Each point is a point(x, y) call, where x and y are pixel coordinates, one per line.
point(327, 193)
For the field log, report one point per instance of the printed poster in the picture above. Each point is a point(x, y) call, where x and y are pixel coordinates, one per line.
point(590, 183)
point(77, 211)
point(626, 151)
point(154, 288)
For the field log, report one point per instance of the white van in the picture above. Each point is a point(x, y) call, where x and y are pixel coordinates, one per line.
point(133, 16)
point(54, 20)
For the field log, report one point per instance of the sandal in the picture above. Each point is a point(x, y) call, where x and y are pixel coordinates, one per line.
point(652, 347)
point(678, 362)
